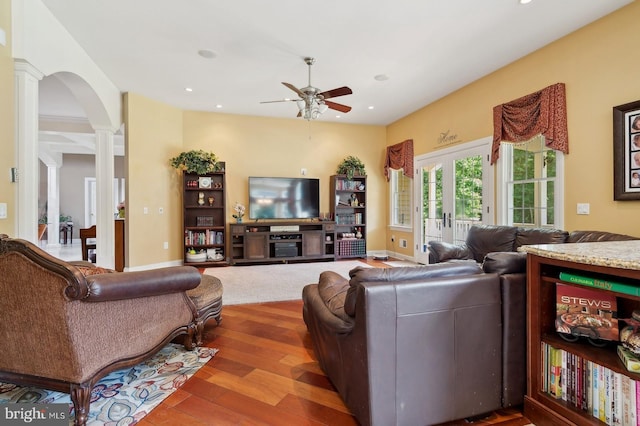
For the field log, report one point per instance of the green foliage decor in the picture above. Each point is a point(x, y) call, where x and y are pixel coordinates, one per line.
point(351, 166)
point(195, 161)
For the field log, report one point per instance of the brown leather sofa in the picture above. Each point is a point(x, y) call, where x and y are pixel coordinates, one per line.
point(495, 248)
point(409, 346)
point(65, 330)
point(435, 343)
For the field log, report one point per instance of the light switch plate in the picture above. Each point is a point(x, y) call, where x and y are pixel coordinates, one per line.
point(3, 210)
point(583, 208)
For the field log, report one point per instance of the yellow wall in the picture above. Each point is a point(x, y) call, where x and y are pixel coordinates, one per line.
point(7, 159)
point(258, 146)
point(601, 68)
point(153, 135)
point(250, 146)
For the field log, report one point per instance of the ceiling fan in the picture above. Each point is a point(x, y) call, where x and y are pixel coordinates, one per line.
point(312, 103)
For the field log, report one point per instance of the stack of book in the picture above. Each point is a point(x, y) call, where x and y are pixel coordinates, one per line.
point(611, 397)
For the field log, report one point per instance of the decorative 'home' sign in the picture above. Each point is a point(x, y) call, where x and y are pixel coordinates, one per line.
point(446, 138)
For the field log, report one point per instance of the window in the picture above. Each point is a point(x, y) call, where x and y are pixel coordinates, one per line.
point(530, 185)
point(400, 199)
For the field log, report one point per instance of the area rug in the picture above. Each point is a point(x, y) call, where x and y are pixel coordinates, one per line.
point(125, 396)
point(270, 283)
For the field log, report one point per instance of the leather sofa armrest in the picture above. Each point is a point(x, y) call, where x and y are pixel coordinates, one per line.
point(441, 251)
point(505, 262)
point(130, 285)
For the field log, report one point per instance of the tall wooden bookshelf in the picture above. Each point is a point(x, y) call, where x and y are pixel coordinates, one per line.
point(348, 201)
point(204, 216)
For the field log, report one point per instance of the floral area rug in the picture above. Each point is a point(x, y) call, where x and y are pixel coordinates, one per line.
point(125, 396)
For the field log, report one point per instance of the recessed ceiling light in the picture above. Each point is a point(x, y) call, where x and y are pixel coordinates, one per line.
point(207, 54)
point(371, 107)
point(337, 116)
point(188, 89)
point(381, 77)
point(525, 1)
point(218, 106)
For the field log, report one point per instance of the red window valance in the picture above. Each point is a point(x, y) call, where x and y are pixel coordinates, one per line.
point(543, 112)
point(400, 156)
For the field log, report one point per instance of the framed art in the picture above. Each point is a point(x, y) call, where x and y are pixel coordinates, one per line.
point(626, 151)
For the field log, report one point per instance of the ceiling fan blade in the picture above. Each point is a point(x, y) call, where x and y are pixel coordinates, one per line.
point(294, 88)
point(340, 91)
point(338, 107)
point(279, 100)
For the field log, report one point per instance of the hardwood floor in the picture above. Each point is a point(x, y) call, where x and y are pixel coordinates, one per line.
point(266, 374)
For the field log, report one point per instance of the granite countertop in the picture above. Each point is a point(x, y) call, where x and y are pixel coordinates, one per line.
point(613, 254)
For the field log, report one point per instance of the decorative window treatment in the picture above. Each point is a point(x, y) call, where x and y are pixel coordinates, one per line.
point(543, 112)
point(400, 156)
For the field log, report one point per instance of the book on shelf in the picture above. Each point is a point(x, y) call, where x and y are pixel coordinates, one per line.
point(586, 312)
point(629, 359)
point(607, 395)
point(600, 283)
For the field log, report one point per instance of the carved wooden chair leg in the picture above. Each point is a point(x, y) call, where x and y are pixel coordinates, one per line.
point(81, 398)
point(191, 337)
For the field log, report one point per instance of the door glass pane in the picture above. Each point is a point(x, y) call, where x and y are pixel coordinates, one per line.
point(468, 200)
point(431, 204)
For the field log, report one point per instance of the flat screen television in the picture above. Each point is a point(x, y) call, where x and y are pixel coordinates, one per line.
point(284, 198)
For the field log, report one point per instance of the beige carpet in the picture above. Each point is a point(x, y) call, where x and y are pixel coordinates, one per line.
point(270, 283)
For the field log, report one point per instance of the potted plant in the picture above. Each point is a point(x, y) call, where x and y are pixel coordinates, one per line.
point(195, 161)
point(351, 166)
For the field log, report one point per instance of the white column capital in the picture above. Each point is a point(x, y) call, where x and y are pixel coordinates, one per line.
point(25, 67)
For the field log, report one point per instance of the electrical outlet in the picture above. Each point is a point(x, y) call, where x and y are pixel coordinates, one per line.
point(166, 245)
point(303, 172)
point(145, 210)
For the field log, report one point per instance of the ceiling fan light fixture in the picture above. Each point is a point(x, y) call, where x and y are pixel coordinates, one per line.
point(323, 108)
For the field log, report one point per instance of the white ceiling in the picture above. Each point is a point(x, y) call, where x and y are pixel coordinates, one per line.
point(427, 48)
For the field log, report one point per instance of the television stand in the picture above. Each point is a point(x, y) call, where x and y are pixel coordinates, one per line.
point(282, 242)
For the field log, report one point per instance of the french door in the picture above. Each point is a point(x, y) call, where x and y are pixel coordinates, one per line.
point(453, 190)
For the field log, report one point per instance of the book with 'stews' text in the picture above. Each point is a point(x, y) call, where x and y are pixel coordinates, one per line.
point(586, 312)
point(600, 283)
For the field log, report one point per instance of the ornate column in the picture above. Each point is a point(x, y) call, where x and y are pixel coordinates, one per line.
point(26, 80)
point(53, 205)
point(105, 204)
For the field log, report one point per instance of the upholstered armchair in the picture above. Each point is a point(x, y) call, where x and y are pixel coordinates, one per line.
point(65, 330)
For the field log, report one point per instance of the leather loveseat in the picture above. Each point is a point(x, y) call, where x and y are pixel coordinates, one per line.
point(64, 326)
point(433, 343)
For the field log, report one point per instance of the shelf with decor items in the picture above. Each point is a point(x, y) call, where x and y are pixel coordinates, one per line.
point(575, 375)
point(348, 200)
point(204, 216)
point(282, 242)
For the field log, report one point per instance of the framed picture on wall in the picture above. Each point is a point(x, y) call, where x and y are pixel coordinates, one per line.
point(626, 151)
